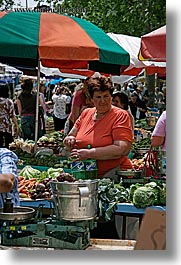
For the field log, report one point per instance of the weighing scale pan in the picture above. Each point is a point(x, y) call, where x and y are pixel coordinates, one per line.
point(129, 172)
point(19, 213)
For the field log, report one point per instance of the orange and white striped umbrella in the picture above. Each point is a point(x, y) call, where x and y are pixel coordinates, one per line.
point(58, 41)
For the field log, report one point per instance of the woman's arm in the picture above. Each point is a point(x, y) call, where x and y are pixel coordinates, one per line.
point(6, 182)
point(157, 140)
point(41, 101)
point(18, 102)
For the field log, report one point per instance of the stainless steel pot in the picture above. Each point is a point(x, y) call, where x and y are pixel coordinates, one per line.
point(75, 201)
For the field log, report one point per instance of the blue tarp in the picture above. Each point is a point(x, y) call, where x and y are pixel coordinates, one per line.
point(54, 81)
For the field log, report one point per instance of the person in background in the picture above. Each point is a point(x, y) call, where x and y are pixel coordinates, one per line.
point(8, 177)
point(117, 87)
point(42, 109)
point(68, 93)
point(137, 106)
point(161, 100)
point(26, 103)
point(48, 98)
point(126, 89)
point(60, 100)
point(120, 100)
point(139, 91)
point(157, 90)
point(81, 100)
point(72, 87)
point(105, 127)
point(158, 137)
point(145, 94)
point(7, 113)
point(49, 93)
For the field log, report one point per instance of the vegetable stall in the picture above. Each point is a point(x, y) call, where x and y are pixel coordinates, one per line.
point(48, 185)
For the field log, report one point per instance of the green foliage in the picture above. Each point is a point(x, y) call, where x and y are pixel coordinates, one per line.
point(129, 17)
point(133, 18)
point(109, 194)
point(163, 195)
point(7, 4)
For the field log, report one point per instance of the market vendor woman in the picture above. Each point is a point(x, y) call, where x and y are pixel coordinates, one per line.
point(105, 127)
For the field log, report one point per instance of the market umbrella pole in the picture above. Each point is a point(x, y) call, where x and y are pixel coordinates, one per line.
point(37, 106)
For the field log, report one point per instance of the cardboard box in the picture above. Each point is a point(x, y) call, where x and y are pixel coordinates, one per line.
point(152, 233)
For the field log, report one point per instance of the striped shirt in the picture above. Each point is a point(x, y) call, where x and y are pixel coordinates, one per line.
point(8, 160)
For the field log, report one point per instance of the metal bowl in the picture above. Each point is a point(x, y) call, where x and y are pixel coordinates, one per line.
point(19, 213)
point(135, 173)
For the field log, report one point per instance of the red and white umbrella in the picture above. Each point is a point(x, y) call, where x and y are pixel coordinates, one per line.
point(153, 46)
point(132, 45)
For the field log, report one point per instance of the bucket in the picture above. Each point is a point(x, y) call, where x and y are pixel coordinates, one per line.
point(75, 201)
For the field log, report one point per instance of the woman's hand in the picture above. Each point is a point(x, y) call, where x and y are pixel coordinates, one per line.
point(69, 142)
point(80, 154)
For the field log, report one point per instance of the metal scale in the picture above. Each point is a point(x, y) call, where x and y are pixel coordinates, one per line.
point(26, 227)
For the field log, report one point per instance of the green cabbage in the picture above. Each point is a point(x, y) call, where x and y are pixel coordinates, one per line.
point(143, 197)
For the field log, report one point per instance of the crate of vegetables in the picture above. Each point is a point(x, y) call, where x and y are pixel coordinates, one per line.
point(35, 184)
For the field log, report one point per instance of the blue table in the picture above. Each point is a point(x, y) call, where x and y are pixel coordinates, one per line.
point(36, 203)
point(123, 209)
point(128, 209)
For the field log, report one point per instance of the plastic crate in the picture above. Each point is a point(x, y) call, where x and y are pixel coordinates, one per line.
point(41, 168)
point(83, 174)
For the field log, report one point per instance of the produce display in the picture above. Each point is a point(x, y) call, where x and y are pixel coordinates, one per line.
point(140, 195)
point(138, 164)
point(143, 143)
point(35, 184)
point(43, 157)
point(52, 141)
point(143, 124)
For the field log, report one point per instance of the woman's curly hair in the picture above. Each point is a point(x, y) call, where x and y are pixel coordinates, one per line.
point(101, 83)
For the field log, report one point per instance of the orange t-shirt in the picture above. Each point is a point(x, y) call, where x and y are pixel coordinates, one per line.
point(113, 126)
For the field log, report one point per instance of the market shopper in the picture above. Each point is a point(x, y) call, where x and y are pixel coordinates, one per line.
point(8, 177)
point(42, 109)
point(105, 127)
point(158, 137)
point(126, 89)
point(161, 100)
point(8, 130)
point(121, 100)
point(26, 103)
point(60, 100)
point(137, 106)
point(80, 101)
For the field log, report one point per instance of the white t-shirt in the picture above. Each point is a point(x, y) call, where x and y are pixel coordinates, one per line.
point(59, 108)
